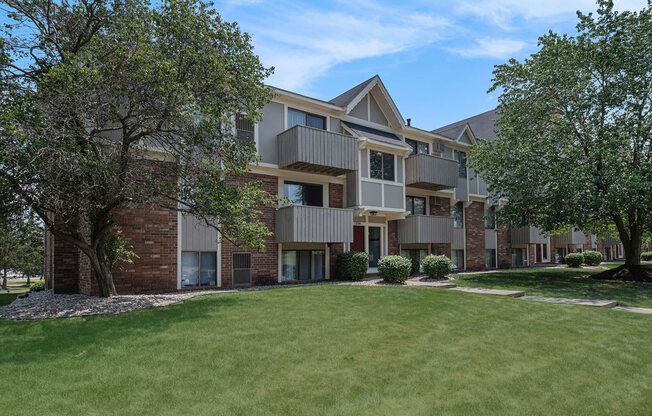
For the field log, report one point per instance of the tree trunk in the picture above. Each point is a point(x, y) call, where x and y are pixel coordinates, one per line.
point(29, 282)
point(631, 242)
point(4, 280)
point(102, 272)
point(633, 254)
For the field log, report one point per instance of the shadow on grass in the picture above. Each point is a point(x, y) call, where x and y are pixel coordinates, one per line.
point(41, 341)
point(567, 283)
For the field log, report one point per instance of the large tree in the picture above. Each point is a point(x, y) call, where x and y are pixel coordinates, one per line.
point(107, 104)
point(574, 130)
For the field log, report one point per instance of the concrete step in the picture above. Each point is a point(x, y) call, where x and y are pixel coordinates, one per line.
point(601, 303)
point(499, 292)
point(647, 311)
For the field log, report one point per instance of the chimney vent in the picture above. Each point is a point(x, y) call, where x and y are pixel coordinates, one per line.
point(409, 121)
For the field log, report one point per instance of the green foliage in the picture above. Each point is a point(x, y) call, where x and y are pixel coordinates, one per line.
point(394, 269)
point(646, 256)
point(352, 265)
point(118, 249)
point(574, 259)
point(592, 258)
point(416, 266)
point(37, 287)
point(437, 267)
point(575, 129)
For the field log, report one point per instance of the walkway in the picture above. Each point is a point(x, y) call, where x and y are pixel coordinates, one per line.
point(449, 285)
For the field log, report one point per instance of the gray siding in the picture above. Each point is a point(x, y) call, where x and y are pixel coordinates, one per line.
point(318, 151)
point(473, 181)
point(458, 239)
point(335, 125)
point(314, 225)
point(425, 229)
point(482, 186)
point(351, 189)
point(394, 196)
point(430, 172)
point(571, 237)
point(360, 110)
point(489, 239)
point(196, 236)
point(399, 169)
point(364, 163)
point(371, 194)
point(271, 125)
point(461, 191)
point(376, 113)
point(528, 235)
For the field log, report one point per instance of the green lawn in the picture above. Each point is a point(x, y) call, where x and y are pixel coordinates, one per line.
point(563, 283)
point(16, 287)
point(333, 350)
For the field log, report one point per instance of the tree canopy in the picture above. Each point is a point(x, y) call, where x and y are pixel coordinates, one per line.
point(107, 104)
point(575, 130)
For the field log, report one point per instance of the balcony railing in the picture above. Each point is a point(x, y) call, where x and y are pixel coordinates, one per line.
point(528, 235)
point(570, 237)
point(425, 229)
point(306, 224)
point(313, 150)
point(430, 172)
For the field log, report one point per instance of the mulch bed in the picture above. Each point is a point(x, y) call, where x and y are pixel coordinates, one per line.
point(626, 273)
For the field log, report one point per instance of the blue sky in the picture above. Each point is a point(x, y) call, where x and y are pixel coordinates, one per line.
point(435, 57)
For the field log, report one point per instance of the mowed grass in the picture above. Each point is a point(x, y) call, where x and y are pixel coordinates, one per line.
point(333, 350)
point(563, 283)
point(16, 287)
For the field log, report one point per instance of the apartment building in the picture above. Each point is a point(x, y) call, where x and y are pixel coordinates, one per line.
point(359, 177)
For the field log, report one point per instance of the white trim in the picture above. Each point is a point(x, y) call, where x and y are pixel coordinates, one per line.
point(279, 260)
point(285, 116)
point(219, 263)
point(327, 266)
point(314, 101)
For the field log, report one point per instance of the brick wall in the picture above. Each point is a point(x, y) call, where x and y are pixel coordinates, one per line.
point(474, 225)
point(392, 238)
point(65, 271)
point(264, 263)
point(532, 252)
point(335, 200)
point(442, 210)
point(504, 239)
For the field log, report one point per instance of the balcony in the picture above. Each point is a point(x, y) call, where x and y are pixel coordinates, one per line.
point(305, 224)
point(430, 172)
point(570, 237)
point(425, 229)
point(528, 235)
point(307, 149)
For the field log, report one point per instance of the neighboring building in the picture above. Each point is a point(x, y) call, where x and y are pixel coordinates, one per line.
point(360, 178)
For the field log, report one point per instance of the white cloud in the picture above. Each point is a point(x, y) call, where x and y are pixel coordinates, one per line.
point(305, 44)
point(491, 48)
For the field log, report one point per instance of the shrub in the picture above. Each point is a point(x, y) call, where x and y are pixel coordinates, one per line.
point(592, 258)
point(437, 266)
point(37, 287)
point(647, 256)
point(394, 269)
point(416, 266)
point(352, 265)
point(574, 259)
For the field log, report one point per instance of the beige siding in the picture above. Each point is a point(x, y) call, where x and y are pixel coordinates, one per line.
point(360, 110)
point(430, 172)
point(489, 239)
point(394, 197)
point(371, 194)
point(571, 237)
point(528, 235)
point(425, 229)
point(271, 125)
point(196, 236)
point(458, 239)
point(314, 225)
point(461, 191)
point(376, 113)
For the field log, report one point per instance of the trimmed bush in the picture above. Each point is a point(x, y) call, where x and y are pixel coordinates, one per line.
point(394, 269)
point(37, 287)
point(647, 256)
point(352, 265)
point(574, 259)
point(416, 266)
point(437, 266)
point(592, 258)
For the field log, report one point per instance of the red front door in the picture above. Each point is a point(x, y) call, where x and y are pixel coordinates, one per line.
point(538, 247)
point(358, 238)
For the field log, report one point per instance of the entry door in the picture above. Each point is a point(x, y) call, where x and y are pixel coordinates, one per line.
point(374, 246)
point(538, 249)
point(358, 238)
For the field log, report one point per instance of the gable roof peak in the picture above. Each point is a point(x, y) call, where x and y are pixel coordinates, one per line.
point(346, 97)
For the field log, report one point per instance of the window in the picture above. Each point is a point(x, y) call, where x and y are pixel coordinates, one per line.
point(460, 157)
point(305, 119)
point(544, 251)
point(436, 200)
point(519, 256)
point(490, 261)
point(416, 205)
point(490, 218)
point(438, 251)
point(414, 253)
point(457, 259)
point(198, 268)
point(304, 264)
point(418, 147)
point(457, 212)
point(304, 194)
point(560, 253)
point(381, 165)
point(579, 249)
point(373, 243)
point(244, 128)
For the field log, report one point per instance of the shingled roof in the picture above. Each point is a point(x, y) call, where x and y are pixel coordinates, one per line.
point(345, 98)
point(482, 125)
